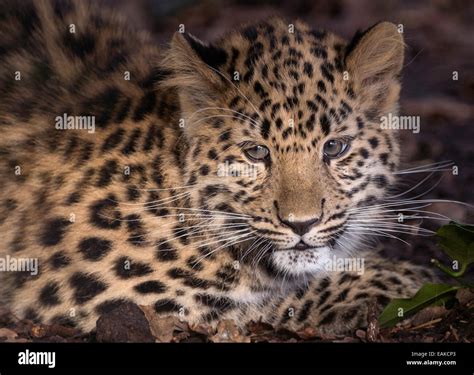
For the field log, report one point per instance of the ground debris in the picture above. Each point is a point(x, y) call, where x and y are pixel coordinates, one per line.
point(372, 322)
point(164, 328)
point(132, 323)
point(8, 335)
point(227, 331)
point(124, 323)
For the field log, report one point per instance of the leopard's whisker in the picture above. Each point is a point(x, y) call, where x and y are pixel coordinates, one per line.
point(171, 188)
point(431, 214)
point(383, 222)
point(260, 247)
point(429, 165)
point(159, 202)
point(233, 233)
point(392, 223)
point(254, 245)
point(151, 207)
point(202, 229)
point(401, 231)
point(379, 207)
point(261, 253)
point(412, 188)
point(426, 191)
point(395, 221)
point(405, 230)
point(214, 116)
point(250, 247)
point(387, 230)
point(245, 238)
point(223, 109)
point(223, 213)
point(357, 238)
point(197, 230)
point(378, 234)
point(230, 241)
point(181, 194)
point(384, 219)
point(432, 167)
point(204, 256)
point(386, 214)
point(171, 222)
point(409, 201)
point(186, 234)
point(345, 247)
point(425, 171)
point(430, 201)
point(217, 216)
point(387, 207)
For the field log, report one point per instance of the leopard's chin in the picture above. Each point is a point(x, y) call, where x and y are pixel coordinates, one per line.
point(311, 261)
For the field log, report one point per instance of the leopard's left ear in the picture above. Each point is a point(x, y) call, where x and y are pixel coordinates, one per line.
point(193, 68)
point(195, 62)
point(374, 60)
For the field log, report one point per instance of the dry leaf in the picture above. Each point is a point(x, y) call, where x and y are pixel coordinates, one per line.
point(428, 314)
point(41, 331)
point(465, 296)
point(162, 327)
point(203, 329)
point(361, 334)
point(38, 331)
point(259, 328)
point(308, 333)
point(7, 334)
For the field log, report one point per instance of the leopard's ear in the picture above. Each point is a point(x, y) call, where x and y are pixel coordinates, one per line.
point(374, 60)
point(194, 73)
point(194, 62)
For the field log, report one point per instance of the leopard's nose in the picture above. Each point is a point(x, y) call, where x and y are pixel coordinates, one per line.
point(300, 227)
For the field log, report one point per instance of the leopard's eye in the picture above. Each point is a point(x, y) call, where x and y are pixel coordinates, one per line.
point(257, 153)
point(335, 148)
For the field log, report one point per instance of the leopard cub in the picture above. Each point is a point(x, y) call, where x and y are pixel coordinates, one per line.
point(212, 181)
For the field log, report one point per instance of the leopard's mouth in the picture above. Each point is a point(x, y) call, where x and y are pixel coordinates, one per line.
point(303, 246)
point(278, 243)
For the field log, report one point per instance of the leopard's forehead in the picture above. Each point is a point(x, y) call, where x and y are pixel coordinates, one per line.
point(271, 40)
point(290, 79)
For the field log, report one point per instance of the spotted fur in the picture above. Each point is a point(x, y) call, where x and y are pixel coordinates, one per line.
point(138, 210)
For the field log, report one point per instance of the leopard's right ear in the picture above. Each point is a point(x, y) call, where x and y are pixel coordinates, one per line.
point(195, 63)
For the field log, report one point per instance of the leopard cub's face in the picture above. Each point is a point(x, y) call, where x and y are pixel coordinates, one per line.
point(285, 137)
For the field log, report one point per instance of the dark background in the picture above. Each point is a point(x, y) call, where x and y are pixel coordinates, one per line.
point(439, 38)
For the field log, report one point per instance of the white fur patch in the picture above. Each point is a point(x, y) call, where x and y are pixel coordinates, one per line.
point(296, 262)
